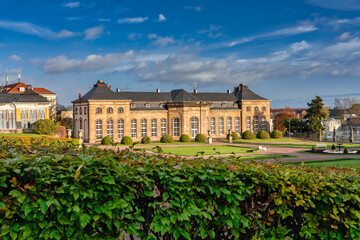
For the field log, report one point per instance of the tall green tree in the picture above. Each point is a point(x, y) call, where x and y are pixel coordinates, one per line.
point(315, 114)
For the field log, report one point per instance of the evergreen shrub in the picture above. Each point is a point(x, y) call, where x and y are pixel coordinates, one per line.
point(276, 134)
point(146, 140)
point(262, 134)
point(249, 135)
point(200, 138)
point(127, 140)
point(185, 138)
point(167, 139)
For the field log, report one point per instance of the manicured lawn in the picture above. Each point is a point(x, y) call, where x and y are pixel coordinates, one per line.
point(340, 162)
point(263, 157)
point(309, 145)
point(262, 141)
point(174, 143)
point(23, 135)
point(206, 150)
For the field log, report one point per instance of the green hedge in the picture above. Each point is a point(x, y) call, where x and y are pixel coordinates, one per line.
point(88, 193)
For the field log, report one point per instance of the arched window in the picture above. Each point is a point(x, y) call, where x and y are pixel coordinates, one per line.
point(248, 109)
point(109, 110)
point(263, 108)
point(237, 125)
point(256, 124)
point(99, 110)
point(194, 126)
point(76, 110)
point(221, 125)
point(248, 123)
point(85, 110)
point(120, 128)
point(176, 127)
point(110, 128)
point(153, 127)
point(256, 108)
point(98, 129)
point(229, 123)
point(81, 124)
point(133, 128)
point(263, 123)
point(80, 110)
point(163, 126)
point(212, 125)
point(143, 127)
point(120, 110)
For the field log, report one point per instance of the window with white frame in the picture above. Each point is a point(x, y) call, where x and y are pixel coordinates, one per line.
point(263, 123)
point(98, 129)
point(163, 126)
point(33, 117)
point(221, 125)
point(237, 125)
point(229, 123)
point(110, 128)
point(153, 127)
point(143, 127)
point(212, 125)
point(176, 127)
point(120, 110)
point(3, 123)
point(120, 128)
point(12, 120)
point(256, 124)
point(248, 123)
point(133, 128)
point(194, 126)
point(109, 110)
point(24, 119)
point(41, 113)
point(99, 110)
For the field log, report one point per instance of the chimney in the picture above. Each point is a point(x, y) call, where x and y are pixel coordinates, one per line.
point(228, 91)
point(158, 90)
point(6, 80)
point(118, 90)
point(19, 76)
point(79, 95)
point(195, 91)
point(110, 87)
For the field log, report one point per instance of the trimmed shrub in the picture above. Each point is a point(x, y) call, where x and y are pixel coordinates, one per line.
point(127, 140)
point(346, 151)
point(45, 126)
point(262, 134)
point(107, 141)
point(276, 134)
point(185, 138)
point(146, 140)
point(104, 194)
point(167, 139)
point(333, 147)
point(313, 149)
point(200, 138)
point(248, 135)
point(234, 136)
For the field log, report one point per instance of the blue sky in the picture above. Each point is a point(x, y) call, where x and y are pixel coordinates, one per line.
point(287, 51)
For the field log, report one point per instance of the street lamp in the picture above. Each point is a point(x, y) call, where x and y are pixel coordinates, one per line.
point(289, 132)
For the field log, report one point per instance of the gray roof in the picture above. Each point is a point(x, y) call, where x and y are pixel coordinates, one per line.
point(28, 96)
point(100, 91)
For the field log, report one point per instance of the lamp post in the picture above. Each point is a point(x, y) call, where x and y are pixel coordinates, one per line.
point(289, 132)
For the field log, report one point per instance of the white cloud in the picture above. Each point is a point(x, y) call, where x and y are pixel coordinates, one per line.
point(134, 36)
point(299, 46)
point(197, 8)
point(14, 57)
point(162, 41)
point(32, 29)
point(350, 21)
point(344, 36)
point(133, 20)
point(92, 63)
point(343, 5)
point(94, 32)
point(212, 31)
point(72, 4)
point(35, 61)
point(161, 18)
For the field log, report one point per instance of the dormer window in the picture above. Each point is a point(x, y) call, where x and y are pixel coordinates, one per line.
point(22, 89)
point(147, 105)
point(223, 105)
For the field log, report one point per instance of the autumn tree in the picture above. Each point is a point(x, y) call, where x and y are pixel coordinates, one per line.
point(315, 114)
point(350, 107)
point(279, 118)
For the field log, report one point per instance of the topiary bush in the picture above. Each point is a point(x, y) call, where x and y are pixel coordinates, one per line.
point(276, 134)
point(185, 138)
point(167, 139)
point(145, 140)
point(333, 147)
point(262, 134)
point(249, 135)
point(200, 138)
point(45, 126)
point(127, 140)
point(346, 151)
point(313, 149)
point(107, 141)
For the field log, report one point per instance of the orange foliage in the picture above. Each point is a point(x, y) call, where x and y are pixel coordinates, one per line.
point(280, 117)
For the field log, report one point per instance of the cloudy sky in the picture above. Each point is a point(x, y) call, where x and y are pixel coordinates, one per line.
point(287, 51)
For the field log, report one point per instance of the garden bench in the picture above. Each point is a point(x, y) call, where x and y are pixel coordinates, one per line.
point(261, 148)
point(321, 145)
